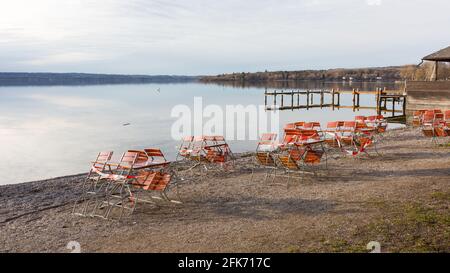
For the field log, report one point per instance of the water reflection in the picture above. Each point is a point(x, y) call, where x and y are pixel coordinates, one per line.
point(55, 131)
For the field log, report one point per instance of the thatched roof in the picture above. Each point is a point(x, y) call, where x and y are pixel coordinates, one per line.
point(440, 56)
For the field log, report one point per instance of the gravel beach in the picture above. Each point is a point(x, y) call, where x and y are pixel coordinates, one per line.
point(400, 199)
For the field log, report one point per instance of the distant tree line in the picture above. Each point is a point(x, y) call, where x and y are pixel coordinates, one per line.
point(361, 74)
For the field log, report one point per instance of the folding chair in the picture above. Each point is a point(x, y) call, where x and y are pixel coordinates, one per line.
point(290, 126)
point(151, 183)
point(428, 124)
point(289, 139)
point(378, 122)
point(299, 125)
point(185, 148)
point(310, 148)
point(418, 117)
point(360, 119)
point(290, 167)
point(314, 126)
point(265, 160)
point(93, 183)
point(267, 143)
point(118, 192)
point(447, 116)
point(331, 134)
point(219, 151)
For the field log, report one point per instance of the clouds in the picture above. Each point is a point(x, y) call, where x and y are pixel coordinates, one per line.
point(204, 36)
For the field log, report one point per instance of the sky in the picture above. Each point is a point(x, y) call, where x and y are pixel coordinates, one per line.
point(207, 37)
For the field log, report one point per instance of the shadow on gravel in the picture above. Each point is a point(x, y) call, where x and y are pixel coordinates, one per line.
point(258, 208)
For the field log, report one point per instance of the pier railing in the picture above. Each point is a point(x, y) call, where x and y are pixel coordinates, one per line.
point(386, 101)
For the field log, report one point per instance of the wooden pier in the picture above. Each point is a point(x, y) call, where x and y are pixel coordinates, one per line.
point(386, 101)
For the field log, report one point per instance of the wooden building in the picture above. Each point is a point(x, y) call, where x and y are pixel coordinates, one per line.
point(433, 94)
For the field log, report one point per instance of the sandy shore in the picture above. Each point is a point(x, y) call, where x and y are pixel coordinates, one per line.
point(400, 199)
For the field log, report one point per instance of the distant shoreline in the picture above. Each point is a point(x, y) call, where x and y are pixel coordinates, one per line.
point(45, 79)
point(372, 74)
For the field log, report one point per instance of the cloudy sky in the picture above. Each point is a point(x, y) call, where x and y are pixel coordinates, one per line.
point(210, 36)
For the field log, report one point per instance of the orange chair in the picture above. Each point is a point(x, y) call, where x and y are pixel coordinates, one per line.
point(291, 169)
point(151, 182)
point(185, 148)
point(418, 118)
point(266, 161)
point(155, 156)
point(360, 119)
point(94, 183)
point(331, 134)
point(299, 124)
point(447, 116)
point(267, 143)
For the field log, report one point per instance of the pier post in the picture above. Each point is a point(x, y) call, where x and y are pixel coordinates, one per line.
point(393, 107)
point(357, 99)
point(275, 97)
point(354, 99)
point(404, 106)
point(292, 100)
point(339, 99)
point(282, 99)
point(378, 101)
point(307, 99)
point(332, 98)
point(321, 98)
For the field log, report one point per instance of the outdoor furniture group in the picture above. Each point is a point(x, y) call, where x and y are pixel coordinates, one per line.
point(305, 146)
point(113, 189)
point(433, 123)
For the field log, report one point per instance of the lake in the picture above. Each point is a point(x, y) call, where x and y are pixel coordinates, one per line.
point(51, 131)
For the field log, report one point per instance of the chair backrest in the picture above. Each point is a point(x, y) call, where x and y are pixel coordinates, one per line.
point(309, 134)
point(428, 117)
point(349, 126)
point(142, 156)
point(292, 132)
point(312, 125)
point(360, 119)
point(333, 126)
point(418, 114)
point(128, 160)
point(265, 159)
point(188, 139)
point(447, 116)
point(186, 142)
point(104, 157)
point(155, 155)
point(361, 125)
point(313, 156)
point(299, 124)
point(219, 138)
point(289, 139)
point(290, 126)
point(153, 181)
point(270, 137)
point(101, 160)
point(439, 116)
point(198, 142)
point(341, 123)
point(288, 162)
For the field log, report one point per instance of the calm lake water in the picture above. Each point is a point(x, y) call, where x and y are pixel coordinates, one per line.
point(55, 131)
